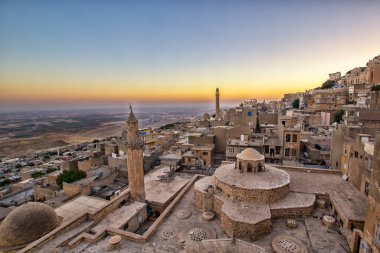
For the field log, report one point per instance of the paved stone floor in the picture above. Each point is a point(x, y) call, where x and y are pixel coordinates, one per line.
point(310, 231)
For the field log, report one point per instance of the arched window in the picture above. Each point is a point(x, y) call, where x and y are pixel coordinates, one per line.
point(249, 167)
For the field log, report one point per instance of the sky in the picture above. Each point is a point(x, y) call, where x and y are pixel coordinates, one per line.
point(79, 52)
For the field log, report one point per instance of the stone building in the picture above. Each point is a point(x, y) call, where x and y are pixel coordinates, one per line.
point(247, 194)
point(370, 238)
point(334, 76)
point(373, 67)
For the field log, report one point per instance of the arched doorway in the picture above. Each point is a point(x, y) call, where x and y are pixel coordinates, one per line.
point(249, 167)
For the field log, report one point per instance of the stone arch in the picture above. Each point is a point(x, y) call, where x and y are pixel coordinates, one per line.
point(249, 167)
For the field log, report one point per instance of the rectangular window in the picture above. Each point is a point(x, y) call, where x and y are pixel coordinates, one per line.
point(366, 188)
point(294, 138)
point(345, 151)
point(356, 154)
point(377, 236)
point(287, 152)
point(266, 149)
point(205, 153)
point(278, 150)
point(294, 152)
point(369, 164)
point(231, 150)
point(287, 138)
point(250, 113)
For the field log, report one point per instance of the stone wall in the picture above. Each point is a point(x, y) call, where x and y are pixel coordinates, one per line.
point(42, 194)
point(84, 165)
point(245, 230)
point(117, 162)
point(69, 164)
point(288, 213)
point(218, 203)
point(71, 189)
point(203, 201)
point(254, 195)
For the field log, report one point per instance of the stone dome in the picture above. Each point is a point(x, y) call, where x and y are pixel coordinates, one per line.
point(250, 154)
point(206, 116)
point(27, 223)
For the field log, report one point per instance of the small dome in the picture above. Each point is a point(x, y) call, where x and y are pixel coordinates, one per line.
point(206, 116)
point(27, 223)
point(250, 154)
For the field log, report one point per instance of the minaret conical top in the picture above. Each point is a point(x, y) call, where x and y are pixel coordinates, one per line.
point(131, 118)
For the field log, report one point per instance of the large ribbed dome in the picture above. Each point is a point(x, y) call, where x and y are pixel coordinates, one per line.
point(27, 223)
point(250, 154)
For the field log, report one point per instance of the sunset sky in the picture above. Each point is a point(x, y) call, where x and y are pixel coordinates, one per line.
point(68, 52)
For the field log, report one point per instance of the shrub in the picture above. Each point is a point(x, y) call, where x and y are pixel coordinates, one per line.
point(50, 170)
point(37, 174)
point(328, 84)
point(375, 87)
point(69, 176)
point(296, 103)
point(5, 182)
point(338, 116)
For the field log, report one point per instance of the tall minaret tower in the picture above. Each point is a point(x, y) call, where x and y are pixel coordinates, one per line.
point(135, 159)
point(217, 111)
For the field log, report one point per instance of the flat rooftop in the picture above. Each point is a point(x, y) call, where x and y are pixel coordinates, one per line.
point(352, 203)
point(79, 205)
point(161, 192)
point(119, 217)
point(250, 213)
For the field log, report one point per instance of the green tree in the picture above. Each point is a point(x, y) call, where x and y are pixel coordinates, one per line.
point(69, 176)
point(338, 116)
point(50, 170)
point(296, 103)
point(37, 174)
point(5, 182)
point(328, 84)
point(375, 87)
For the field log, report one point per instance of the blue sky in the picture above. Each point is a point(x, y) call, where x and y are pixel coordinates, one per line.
point(59, 49)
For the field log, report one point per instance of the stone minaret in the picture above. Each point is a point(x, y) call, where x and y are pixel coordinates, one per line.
point(217, 111)
point(135, 160)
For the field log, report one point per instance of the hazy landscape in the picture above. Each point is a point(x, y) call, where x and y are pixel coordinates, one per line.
point(26, 132)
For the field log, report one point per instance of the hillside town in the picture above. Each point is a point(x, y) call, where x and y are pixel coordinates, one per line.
point(301, 174)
